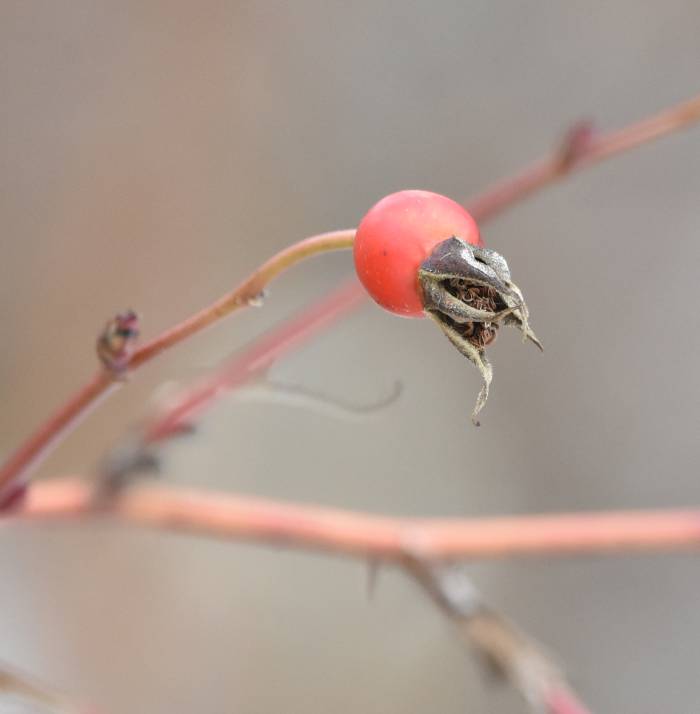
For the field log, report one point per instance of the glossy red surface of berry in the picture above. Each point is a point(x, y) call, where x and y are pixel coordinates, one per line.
point(396, 236)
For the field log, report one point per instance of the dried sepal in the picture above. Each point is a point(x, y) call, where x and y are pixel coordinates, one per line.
point(469, 292)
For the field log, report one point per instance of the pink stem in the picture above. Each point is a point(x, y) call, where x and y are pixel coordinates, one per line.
point(360, 534)
point(256, 359)
point(17, 470)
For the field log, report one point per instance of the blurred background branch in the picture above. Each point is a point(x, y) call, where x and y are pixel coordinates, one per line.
point(502, 647)
point(16, 686)
point(582, 147)
point(225, 515)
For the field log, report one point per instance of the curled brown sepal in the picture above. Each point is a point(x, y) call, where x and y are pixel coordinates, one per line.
point(117, 341)
point(468, 291)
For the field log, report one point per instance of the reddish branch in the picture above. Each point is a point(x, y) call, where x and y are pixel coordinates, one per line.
point(384, 538)
point(249, 292)
point(17, 469)
point(580, 149)
point(253, 361)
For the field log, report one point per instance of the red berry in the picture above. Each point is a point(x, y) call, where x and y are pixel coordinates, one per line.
point(396, 236)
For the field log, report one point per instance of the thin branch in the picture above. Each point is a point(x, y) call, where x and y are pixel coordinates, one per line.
point(516, 657)
point(17, 468)
point(252, 361)
point(249, 292)
point(223, 515)
point(138, 451)
point(581, 149)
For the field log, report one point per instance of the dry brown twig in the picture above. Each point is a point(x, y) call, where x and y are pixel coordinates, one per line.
point(503, 647)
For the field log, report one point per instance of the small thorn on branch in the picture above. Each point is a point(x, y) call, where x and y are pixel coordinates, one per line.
point(117, 341)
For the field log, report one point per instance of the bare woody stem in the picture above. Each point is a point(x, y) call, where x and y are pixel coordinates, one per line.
point(366, 536)
point(17, 469)
point(255, 359)
point(579, 150)
point(246, 293)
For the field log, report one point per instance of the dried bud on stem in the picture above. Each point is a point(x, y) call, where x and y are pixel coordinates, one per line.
point(116, 342)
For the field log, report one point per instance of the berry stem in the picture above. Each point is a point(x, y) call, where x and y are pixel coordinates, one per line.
point(247, 293)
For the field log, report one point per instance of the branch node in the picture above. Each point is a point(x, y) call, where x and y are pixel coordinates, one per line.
point(13, 497)
point(116, 342)
point(576, 143)
point(251, 299)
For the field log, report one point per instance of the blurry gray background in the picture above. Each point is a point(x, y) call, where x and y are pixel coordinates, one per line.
point(152, 153)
